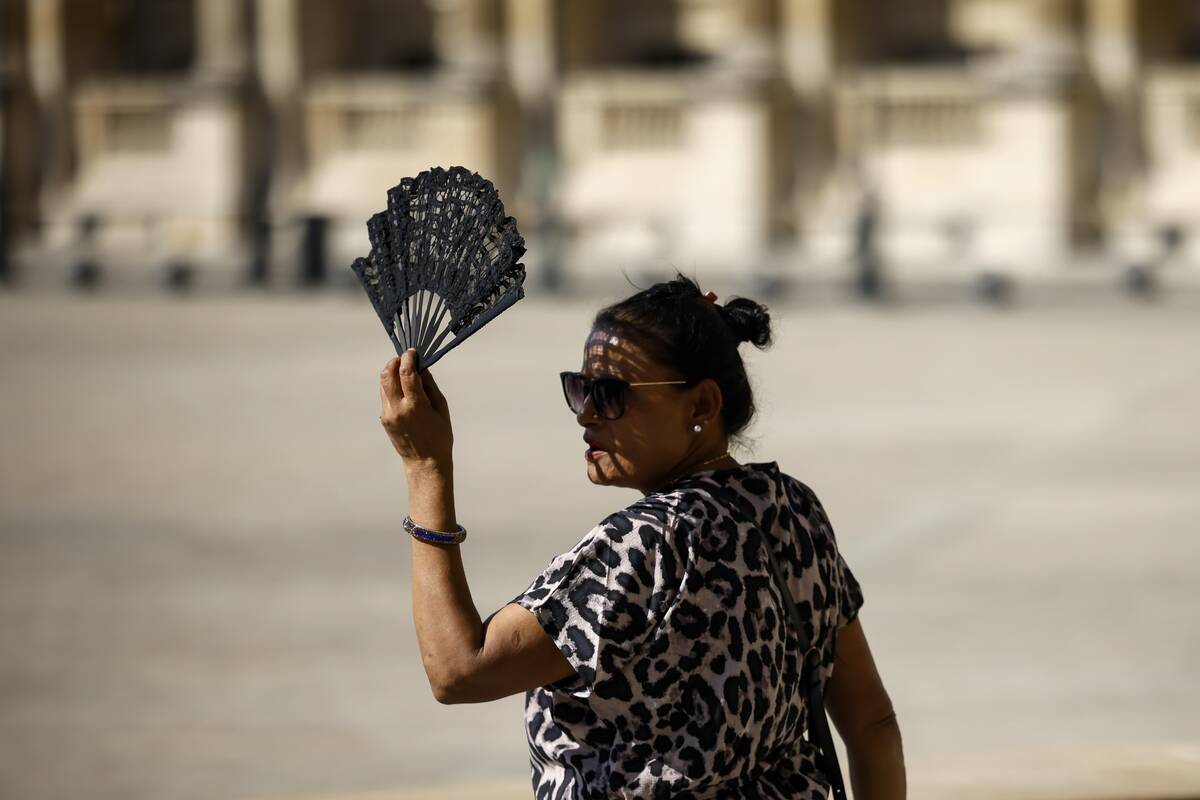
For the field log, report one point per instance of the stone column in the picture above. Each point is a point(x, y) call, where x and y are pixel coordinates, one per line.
point(48, 80)
point(5, 212)
point(808, 139)
point(278, 60)
point(1032, 115)
point(281, 74)
point(714, 27)
point(1112, 57)
point(221, 39)
point(530, 51)
point(461, 37)
point(209, 134)
point(807, 45)
point(1053, 18)
point(278, 48)
point(1112, 44)
point(18, 147)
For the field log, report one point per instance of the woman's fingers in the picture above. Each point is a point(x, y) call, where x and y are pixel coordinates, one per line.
point(389, 385)
point(410, 382)
point(436, 398)
point(415, 424)
point(400, 379)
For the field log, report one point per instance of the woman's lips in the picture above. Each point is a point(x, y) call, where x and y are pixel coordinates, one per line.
point(593, 453)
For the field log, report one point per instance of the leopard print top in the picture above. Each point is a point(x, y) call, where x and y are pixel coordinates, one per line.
point(686, 681)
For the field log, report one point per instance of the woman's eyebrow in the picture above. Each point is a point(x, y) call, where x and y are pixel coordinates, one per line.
point(598, 374)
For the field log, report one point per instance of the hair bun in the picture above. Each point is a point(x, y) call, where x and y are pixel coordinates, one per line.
point(748, 320)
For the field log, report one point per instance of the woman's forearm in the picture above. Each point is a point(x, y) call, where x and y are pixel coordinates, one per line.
point(877, 763)
point(449, 629)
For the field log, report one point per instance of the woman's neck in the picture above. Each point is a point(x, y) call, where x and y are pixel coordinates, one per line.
point(721, 460)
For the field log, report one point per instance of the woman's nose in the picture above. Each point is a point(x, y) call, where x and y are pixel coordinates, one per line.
point(588, 412)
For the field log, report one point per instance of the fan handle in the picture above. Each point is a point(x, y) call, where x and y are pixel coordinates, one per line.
point(506, 300)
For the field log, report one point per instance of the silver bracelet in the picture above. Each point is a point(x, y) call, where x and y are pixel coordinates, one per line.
point(434, 537)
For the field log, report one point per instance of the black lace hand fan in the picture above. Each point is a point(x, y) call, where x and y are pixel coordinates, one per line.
point(443, 261)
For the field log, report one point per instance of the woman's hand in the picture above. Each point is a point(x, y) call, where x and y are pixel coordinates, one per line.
point(414, 414)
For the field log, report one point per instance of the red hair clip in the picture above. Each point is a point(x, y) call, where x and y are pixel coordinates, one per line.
point(710, 297)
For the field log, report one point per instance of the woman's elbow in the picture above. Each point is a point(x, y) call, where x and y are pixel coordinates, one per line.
point(881, 734)
point(886, 720)
point(443, 696)
point(445, 688)
point(450, 694)
point(455, 689)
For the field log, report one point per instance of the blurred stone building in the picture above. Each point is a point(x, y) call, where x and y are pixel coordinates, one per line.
point(235, 141)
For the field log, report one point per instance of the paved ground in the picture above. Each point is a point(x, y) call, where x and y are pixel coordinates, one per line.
point(204, 587)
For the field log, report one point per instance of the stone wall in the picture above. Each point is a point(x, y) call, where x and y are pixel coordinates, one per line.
point(236, 141)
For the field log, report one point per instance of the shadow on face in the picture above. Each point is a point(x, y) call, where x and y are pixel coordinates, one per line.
point(642, 447)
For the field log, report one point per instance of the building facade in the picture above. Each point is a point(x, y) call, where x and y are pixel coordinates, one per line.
point(228, 142)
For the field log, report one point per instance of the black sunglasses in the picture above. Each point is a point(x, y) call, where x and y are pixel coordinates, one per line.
point(608, 394)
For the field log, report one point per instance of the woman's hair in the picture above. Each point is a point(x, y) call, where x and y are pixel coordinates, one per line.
point(682, 331)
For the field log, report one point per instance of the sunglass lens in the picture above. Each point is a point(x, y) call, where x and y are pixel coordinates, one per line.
point(575, 390)
point(610, 397)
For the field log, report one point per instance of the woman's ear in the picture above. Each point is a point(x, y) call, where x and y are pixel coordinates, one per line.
point(708, 402)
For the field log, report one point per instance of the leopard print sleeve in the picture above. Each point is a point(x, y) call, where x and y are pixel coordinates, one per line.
point(850, 596)
point(597, 601)
point(846, 594)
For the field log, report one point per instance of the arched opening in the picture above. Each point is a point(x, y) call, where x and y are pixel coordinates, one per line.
point(103, 38)
point(1168, 31)
point(629, 33)
point(898, 31)
point(366, 36)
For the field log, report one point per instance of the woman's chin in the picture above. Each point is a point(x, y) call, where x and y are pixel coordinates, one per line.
point(594, 473)
point(602, 472)
point(598, 469)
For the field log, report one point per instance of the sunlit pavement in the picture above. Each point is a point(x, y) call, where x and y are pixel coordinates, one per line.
point(1127, 773)
point(204, 586)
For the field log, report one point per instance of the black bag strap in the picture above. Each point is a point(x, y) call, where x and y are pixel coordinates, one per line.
point(810, 678)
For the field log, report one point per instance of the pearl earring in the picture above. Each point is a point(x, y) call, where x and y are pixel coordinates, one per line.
point(696, 427)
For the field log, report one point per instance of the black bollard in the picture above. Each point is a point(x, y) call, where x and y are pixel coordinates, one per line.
point(312, 251)
point(868, 274)
point(178, 275)
point(85, 274)
point(1139, 281)
point(5, 277)
point(993, 288)
point(767, 287)
point(260, 253)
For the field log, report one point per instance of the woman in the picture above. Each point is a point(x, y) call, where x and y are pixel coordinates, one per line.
point(656, 655)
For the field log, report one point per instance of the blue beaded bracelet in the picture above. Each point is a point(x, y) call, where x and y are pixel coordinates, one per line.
point(434, 537)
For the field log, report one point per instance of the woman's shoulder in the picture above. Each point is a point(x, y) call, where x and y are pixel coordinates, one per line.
point(652, 514)
point(765, 491)
point(752, 477)
point(747, 490)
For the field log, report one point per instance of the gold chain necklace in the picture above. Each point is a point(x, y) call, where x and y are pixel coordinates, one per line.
point(701, 464)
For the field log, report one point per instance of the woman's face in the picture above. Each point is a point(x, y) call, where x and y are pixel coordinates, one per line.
point(654, 437)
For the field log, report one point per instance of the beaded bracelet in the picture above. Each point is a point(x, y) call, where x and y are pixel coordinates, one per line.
point(434, 537)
